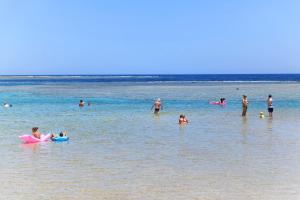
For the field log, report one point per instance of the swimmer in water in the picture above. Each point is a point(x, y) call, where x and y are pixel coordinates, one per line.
point(157, 106)
point(183, 119)
point(7, 105)
point(61, 134)
point(81, 103)
point(222, 100)
point(36, 133)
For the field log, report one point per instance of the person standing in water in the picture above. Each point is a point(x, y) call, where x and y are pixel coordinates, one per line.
point(157, 106)
point(270, 106)
point(81, 103)
point(245, 105)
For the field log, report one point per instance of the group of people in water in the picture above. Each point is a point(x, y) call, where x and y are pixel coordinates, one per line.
point(261, 114)
point(157, 106)
point(82, 103)
point(183, 120)
point(36, 133)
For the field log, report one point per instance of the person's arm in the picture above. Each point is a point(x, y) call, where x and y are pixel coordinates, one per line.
point(152, 106)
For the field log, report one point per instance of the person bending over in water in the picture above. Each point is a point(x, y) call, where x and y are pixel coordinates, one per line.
point(183, 119)
point(36, 133)
point(270, 106)
point(222, 100)
point(81, 103)
point(157, 106)
point(245, 105)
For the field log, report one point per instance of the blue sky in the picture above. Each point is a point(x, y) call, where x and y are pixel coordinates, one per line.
point(149, 37)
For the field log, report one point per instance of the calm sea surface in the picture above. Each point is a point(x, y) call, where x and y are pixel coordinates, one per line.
point(119, 150)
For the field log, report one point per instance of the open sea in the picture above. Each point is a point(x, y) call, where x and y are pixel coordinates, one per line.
point(118, 149)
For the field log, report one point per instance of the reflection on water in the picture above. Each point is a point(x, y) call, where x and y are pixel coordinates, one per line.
point(118, 149)
point(269, 124)
point(33, 146)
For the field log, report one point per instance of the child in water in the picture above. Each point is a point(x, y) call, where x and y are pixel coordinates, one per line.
point(261, 115)
point(183, 119)
point(36, 133)
point(61, 134)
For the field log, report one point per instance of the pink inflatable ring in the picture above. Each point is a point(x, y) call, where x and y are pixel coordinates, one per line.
point(27, 139)
point(217, 103)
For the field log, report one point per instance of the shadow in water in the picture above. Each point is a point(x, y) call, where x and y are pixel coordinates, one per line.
point(270, 124)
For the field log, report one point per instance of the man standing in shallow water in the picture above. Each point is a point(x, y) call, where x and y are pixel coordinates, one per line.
point(270, 106)
point(245, 105)
point(157, 106)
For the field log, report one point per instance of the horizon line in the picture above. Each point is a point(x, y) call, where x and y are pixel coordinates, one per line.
point(163, 74)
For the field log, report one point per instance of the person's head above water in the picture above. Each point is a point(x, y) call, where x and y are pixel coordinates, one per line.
point(158, 99)
point(35, 129)
point(270, 96)
point(261, 115)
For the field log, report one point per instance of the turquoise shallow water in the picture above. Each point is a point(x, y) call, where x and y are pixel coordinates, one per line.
point(119, 150)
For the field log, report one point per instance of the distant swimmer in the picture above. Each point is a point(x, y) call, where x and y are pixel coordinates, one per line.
point(157, 106)
point(7, 105)
point(261, 115)
point(81, 103)
point(222, 100)
point(183, 119)
point(270, 105)
point(245, 105)
point(61, 134)
point(36, 133)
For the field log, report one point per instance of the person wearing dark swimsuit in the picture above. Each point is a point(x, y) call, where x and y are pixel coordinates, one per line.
point(157, 106)
point(270, 106)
